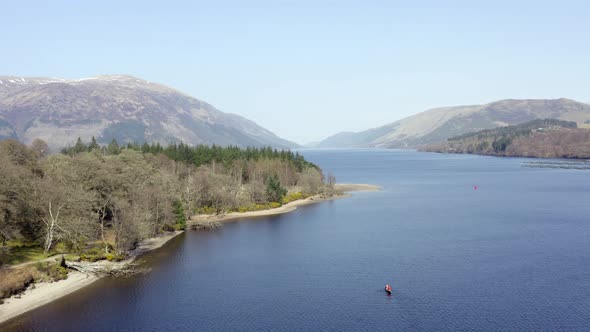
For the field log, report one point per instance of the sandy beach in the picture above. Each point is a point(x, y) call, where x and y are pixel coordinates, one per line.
point(44, 292)
point(344, 189)
point(351, 187)
point(153, 243)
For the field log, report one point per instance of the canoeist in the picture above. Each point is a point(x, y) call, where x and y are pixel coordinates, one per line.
point(388, 289)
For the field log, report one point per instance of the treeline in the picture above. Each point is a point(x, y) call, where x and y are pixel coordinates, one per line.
point(197, 155)
point(112, 197)
point(547, 138)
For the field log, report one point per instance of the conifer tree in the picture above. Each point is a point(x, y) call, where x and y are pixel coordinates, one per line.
point(79, 147)
point(93, 145)
point(113, 147)
point(274, 191)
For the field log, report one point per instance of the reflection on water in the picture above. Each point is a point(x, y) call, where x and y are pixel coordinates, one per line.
point(510, 255)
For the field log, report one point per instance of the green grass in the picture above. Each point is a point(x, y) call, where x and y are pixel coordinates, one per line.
point(22, 254)
point(72, 257)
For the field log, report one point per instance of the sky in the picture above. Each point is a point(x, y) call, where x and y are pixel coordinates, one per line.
point(309, 69)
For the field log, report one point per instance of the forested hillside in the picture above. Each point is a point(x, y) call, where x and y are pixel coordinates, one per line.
point(547, 138)
point(100, 201)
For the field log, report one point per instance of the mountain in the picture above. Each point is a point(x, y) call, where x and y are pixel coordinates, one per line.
point(438, 124)
point(126, 108)
point(548, 138)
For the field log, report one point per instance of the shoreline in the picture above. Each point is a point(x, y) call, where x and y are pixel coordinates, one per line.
point(356, 187)
point(576, 158)
point(44, 292)
point(344, 188)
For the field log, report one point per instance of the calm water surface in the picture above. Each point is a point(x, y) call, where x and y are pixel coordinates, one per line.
point(511, 255)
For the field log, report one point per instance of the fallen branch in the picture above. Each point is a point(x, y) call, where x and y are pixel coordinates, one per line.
point(206, 225)
point(106, 268)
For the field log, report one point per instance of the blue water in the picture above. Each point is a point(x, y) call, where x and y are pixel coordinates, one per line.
point(512, 255)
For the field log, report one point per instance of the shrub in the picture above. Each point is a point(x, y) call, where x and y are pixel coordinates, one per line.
point(95, 257)
point(114, 257)
point(90, 257)
point(168, 228)
point(56, 272)
point(206, 210)
point(293, 197)
point(51, 271)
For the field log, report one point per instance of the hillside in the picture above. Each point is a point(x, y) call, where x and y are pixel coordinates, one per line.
point(126, 108)
point(438, 124)
point(547, 138)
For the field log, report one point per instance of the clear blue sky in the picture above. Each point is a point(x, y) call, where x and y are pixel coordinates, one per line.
point(309, 69)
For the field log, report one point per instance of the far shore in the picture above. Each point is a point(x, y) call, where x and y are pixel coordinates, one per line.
point(47, 292)
point(43, 293)
point(342, 189)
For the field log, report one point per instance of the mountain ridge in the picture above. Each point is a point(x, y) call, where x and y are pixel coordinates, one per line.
point(438, 124)
point(124, 107)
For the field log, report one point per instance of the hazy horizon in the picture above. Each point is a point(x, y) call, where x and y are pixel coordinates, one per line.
point(305, 70)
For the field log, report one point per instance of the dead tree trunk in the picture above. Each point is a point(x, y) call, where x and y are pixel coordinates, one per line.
point(52, 223)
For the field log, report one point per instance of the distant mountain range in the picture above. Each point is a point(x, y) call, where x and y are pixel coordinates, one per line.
point(126, 108)
point(438, 124)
